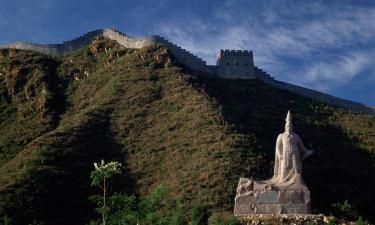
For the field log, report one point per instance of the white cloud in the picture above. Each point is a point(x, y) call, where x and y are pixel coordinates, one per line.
point(342, 69)
point(319, 41)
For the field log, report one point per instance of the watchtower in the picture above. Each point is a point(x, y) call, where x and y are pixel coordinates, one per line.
point(235, 64)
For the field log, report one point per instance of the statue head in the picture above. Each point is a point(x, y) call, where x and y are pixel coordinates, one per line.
point(288, 123)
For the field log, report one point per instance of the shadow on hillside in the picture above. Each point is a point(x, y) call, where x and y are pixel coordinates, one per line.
point(338, 171)
point(65, 168)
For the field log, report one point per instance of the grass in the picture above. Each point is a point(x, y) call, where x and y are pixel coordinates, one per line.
point(195, 135)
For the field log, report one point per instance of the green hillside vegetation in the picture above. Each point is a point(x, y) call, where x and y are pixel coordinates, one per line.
point(195, 135)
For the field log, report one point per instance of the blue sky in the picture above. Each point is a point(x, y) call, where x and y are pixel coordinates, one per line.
point(324, 45)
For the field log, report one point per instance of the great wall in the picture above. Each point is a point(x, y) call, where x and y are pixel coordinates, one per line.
point(232, 64)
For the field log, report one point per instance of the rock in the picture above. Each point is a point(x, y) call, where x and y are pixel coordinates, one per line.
point(296, 219)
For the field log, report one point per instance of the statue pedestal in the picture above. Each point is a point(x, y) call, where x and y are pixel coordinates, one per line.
point(262, 197)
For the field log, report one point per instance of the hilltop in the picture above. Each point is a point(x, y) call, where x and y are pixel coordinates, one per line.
point(230, 63)
point(168, 124)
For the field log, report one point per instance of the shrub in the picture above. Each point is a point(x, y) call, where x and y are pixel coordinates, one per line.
point(178, 218)
point(219, 220)
point(361, 221)
point(199, 215)
point(345, 210)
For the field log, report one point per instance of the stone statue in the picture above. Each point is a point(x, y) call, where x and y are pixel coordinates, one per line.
point(286, 192)
point(289, 153)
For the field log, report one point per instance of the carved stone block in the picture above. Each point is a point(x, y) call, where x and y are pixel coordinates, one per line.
point(260, 198)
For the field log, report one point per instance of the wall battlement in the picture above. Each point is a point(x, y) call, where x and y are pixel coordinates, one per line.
point(235, 52)
point(230, 63)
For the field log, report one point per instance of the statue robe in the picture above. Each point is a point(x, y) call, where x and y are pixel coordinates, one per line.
point(289, 154)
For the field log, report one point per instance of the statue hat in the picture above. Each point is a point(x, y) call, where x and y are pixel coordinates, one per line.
point(288, 120)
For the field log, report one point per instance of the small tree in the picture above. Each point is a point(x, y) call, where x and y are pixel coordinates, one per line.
point(100, 178)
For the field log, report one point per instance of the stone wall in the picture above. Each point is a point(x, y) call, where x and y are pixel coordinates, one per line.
point(182, 55)
point(56, 49)
point(316, 95)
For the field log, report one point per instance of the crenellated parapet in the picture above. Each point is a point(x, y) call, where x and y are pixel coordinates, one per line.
point(236, 52)
point(118, 32)
point(185, 57)
point(76, 43)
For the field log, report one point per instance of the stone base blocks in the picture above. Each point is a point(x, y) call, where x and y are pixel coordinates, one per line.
point(299, 219)
point(257, 197)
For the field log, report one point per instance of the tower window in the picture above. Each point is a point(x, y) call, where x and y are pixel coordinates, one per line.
point(245, 64)
point(227, 63)
point(236, 63)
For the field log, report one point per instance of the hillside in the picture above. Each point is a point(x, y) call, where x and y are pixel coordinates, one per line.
point(195, 134)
